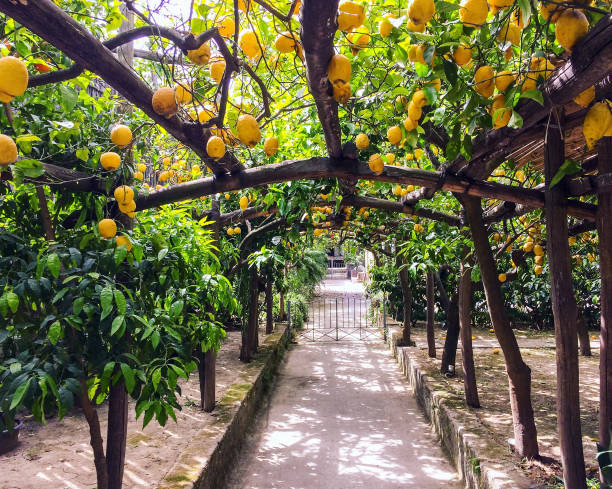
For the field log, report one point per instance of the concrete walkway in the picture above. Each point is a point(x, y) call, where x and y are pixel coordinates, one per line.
point(342, 416)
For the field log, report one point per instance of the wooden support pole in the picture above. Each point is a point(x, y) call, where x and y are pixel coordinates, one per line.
point(116, 434)
point(451, 309)
point(604, 211)
point(431, 339)
point(565, 311)
point(406, 303)
point(250, 332)
point(519, 374)
point(465, 322)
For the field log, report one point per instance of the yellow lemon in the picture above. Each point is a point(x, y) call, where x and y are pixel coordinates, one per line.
point(164, 102)
point(13, 78)
point(215, 147)
point(226, 27)
point(572, 25)
point(183, 95)
point(271, 146)
point(123, 241)
point(286, 42)
point(499, 113)
point(107, 228)
point(248, 130)
point(244, 202)
point(250, 45)
point(110, 161)
point(362, 141)
point(484, 80)
point(385, 27)
point(473, 12)
point(502, 278)
point(503, 80)
point(410, 124)
point(462, 54)
point(421, 11)
point(394, 135)
point(123, 194)
point(596, 123)
point(414, 111)
point(8, 150)
point(217, 68)
point(376, 163)
point(199, 56)
point(121, 135)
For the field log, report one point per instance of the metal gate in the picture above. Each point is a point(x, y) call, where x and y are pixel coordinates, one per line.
point(339, 318)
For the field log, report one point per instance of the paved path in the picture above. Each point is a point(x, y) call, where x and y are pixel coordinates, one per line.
point(342, 416)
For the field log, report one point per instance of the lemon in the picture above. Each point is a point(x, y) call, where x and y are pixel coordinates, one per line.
point(110, 161)
point(421, 11)
point(510, 32)
point(462, 55)
point(164, 176)
point(528, 247)
point(341, 92)
point(271, 146)
point(360, 38)
point(495, 350)
point(415, 27)
point(182, 94)
point(248, 130)
point(550, 11)
point(419, 98)
point(390, 159)
point(237, 230)
point(142, 167)
point(8, 150)
point(586, 97)
point(199, 56)
point(217, 68)
point(215, 147)
point(538, 250)
point(249, 44)
point(537, 270)
point(484, 79)
point(503, 80)
point(107, 228)
point(226, 27)
point(362, 141)
point(572, 25)
point(123, 194)
point(138, 175)
point(227, 196)
point(410, 124)
point(128, 207)
point(286, 42)
point(376, 163)
point(414, 111)
point(499, 113)
point(123, 241)
point(244, 202)
point(596, 123)
point(350, 16)
point(13, 78)
point(121, 135)
point(339, 68)
point(473, 12)
point(164, 102)
point(394, 134)
point(385, 27)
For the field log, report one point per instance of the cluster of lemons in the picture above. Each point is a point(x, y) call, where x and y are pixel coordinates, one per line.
point(13, 83)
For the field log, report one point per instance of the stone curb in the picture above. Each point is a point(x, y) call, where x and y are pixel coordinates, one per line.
point(201, 467)
point(482, 462)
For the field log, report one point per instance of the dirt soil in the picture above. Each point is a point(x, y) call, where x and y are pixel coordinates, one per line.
point(539, 353)
point(58, 455)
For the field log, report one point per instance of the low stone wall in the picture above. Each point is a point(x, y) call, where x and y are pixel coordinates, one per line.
point(483, 463)
point(204, 465)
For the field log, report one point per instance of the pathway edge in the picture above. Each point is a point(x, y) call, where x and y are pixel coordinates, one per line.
point(197, 469)
point(481, 463)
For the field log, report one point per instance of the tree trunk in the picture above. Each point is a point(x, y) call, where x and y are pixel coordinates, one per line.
point(451, 309)
point(116, 434)
point(269, 307)
point(209, 371)
point(565, 311)
point(519, 374)
point(407, 305)
point(584, 340)
point(281, 305)
point(249, 336)
point(431, 340)
point(604, 211)
point(96, 442)
point(465, 321)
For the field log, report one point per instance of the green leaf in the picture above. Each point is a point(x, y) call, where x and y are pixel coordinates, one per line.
point(120, 301)
point(128, 377)
point(162, 253)
point(533, 95)
point(55, 332)
point(569, 167)
point(120, 254)
point(82, 154)
point(69, 97)
point(12, 301)
point(30, 168)
point(155, 337)
point(106, 301)
point(77, 305)
point(19, 394)
point(176, 308)
point(431, 93)
point(156, 377)
point(53, 264)
point(525, 6)
point(117, 323)
point(27, 137)
point(516, 121)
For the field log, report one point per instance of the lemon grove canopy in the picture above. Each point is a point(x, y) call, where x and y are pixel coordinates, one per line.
point(421, 108)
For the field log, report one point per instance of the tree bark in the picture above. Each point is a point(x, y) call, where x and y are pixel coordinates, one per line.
point(281, 305)
point(44, 213)
point(116, 434)
point(451, 309)
point(249, 336)
point(96, 442)
point(584, 340)
point(519, 374)
point(208, 398)
point(465, 321)
point(269, 307)
point(431, 340)
point(407, 305)
point(565, 312)
point(604, 211)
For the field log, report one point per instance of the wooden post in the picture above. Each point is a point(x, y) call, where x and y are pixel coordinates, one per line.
point(116, 434)
point(406, 303)
point(249, 337)
point(269, 305)
point(565, 311)
point(604, 211)
point(431, 340)
point(465, 324)
point(519, 374)
point(451, 309)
